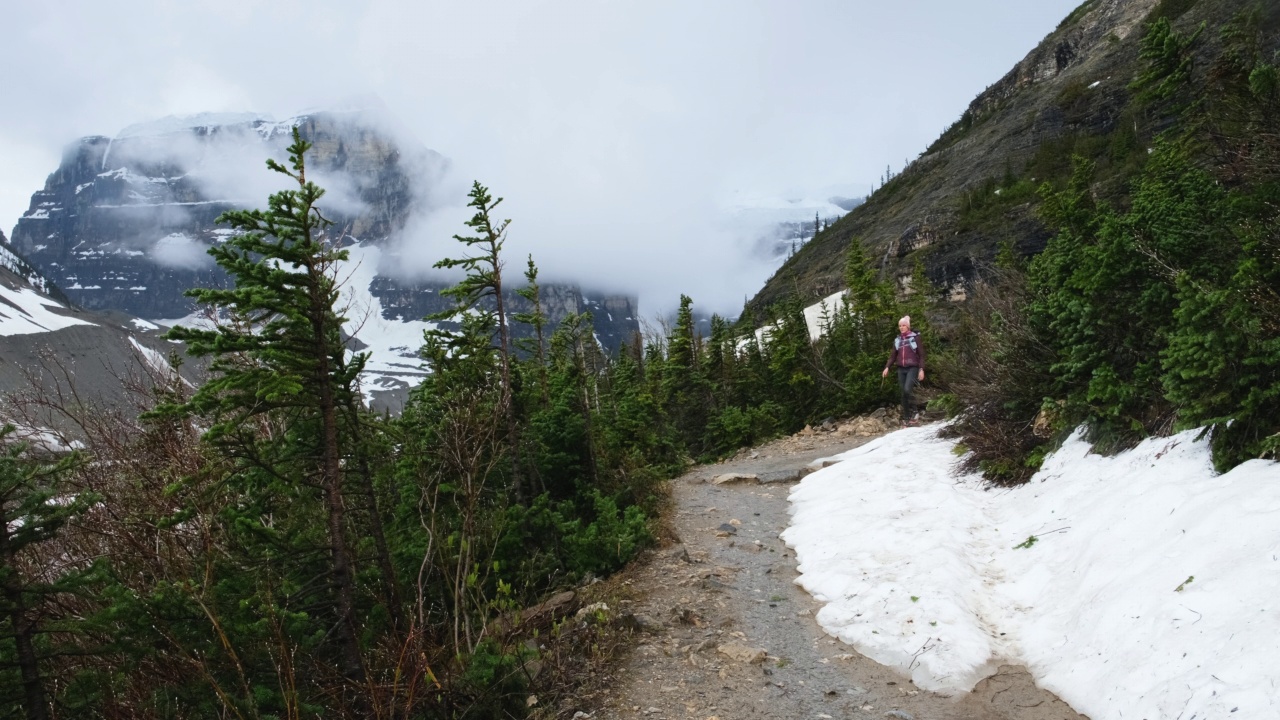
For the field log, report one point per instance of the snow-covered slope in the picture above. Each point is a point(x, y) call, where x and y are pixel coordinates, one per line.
point(46, 344)
point(1137, 586)
point(24, 310)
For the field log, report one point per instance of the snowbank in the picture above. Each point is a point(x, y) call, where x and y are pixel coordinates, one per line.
point(1136, 586)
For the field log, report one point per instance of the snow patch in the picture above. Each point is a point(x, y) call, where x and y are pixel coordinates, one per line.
point(393, 344)
point(1140, 585)
point(24, 311)
point(185, 123)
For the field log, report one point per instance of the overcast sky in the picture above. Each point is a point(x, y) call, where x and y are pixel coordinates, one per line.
point(621, 133)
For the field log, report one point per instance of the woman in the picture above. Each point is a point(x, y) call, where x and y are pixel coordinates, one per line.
point(908, 356)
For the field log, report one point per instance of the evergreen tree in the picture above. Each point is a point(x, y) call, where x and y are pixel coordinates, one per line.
point(683, 386)
point(483, 285)
point(537, 319)
point(281, 378)
point(31, 514)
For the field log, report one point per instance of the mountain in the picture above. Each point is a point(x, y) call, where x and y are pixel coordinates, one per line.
point(81, 355)
point(975, 186)
point(124, 224)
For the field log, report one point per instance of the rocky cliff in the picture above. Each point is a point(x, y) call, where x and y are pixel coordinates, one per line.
point(123, 223)
point(974, 187)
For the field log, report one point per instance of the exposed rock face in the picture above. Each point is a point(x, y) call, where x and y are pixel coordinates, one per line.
point(615, 318)
point(124, 223)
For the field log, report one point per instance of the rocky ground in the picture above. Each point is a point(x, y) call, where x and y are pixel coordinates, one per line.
point(724, 633)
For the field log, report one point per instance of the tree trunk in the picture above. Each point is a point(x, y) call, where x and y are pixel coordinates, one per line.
point(508, 400)
point(352, 664)
point(390, 588)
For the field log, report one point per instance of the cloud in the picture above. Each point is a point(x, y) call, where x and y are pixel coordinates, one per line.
point(177, 250)
point(620, 133)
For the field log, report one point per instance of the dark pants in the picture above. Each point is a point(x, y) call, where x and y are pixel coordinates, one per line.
point(907, 379)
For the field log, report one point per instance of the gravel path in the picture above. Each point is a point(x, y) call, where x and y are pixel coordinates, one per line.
point(724, 633)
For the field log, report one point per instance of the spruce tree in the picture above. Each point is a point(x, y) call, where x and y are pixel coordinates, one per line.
point(537, 319)
point(483, 285)
point(281, 378)
point(31, 513)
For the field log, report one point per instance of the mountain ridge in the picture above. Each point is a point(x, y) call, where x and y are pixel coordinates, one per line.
point(1069, 92)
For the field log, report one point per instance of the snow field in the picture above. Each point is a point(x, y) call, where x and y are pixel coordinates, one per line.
point(1151, 588)
point(24, 311)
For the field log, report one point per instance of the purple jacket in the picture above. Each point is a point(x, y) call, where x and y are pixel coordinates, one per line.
point(907, 351)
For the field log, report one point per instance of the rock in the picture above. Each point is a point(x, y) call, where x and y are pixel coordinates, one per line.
point(641, 622)
point(727, 478)
point(726, 529)
point(685, 616)
point(781, 476)
point(678, 552)
point(742, 653)
point(591, 609)
point(540, 615)
point(1045, 421)
point(900, 715)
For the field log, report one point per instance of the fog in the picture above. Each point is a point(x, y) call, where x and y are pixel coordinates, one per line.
point(639, 146)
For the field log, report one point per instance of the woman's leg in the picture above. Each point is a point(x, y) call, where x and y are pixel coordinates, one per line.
point(907, 377)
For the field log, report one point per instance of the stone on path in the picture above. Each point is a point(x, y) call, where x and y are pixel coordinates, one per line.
point(743, 654)
point(727, 478)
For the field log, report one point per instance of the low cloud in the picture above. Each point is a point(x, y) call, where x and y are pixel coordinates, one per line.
point(620, 133)
point(177, 250)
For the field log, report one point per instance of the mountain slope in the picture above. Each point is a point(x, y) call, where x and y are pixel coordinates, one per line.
point(974, 187)
point(50, 349)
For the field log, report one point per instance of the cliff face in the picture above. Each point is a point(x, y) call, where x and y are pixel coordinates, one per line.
point(615, 318)
point(1070, 95)
point(124, 223)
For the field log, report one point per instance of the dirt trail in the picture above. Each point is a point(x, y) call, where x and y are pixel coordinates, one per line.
point(707, 606)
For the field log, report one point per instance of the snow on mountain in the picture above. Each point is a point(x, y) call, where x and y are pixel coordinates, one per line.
point(125, 223)
point(392, 343)
point(775, 225)
point(185, 123)
point(1136, 586)
point(24, 311)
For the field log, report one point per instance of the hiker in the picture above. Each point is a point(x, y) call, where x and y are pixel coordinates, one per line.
point(908, 356)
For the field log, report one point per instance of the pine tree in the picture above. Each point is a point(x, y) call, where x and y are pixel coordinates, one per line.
point(537, 319)
point(482, 284)
point(31, 514)
point(683, 386)
point(282, 377)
